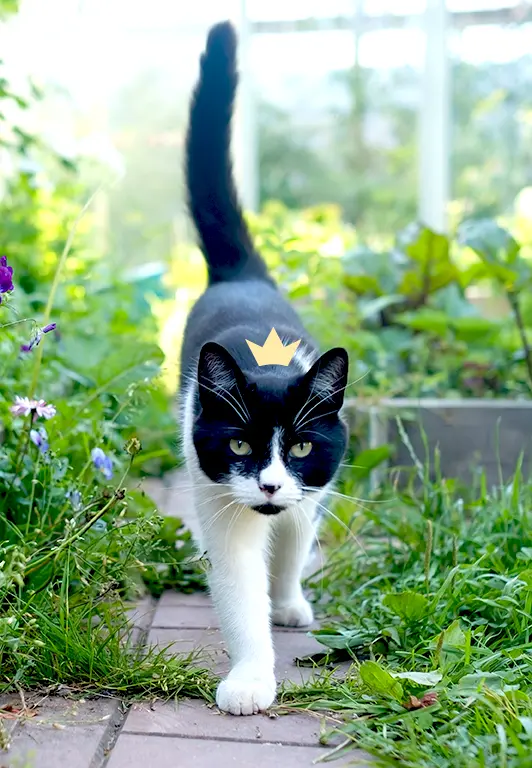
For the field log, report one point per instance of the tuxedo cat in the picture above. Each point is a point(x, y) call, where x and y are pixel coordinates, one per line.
point(262, 443)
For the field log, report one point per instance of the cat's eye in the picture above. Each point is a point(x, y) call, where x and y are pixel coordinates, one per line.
point(300, 450)
point(240, 447)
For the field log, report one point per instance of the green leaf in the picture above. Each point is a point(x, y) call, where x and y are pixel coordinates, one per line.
point(493, 244)
point(367, 460)
point(369, 309)
point(410, 606)
point(380, 681)
point(425, 319)
point(428, 679)
point(454, 636)
point(474, 328)
point(431, 267)
point(128, 365)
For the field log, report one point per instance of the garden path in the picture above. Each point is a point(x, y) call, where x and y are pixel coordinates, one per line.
point(105, 733)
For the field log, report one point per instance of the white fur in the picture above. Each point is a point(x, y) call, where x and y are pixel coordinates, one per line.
point(256, 564)
point(304, 358)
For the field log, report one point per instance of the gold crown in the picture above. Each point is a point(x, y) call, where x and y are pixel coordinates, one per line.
point(273, 352)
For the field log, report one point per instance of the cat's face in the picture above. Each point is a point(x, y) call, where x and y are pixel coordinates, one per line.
point(270, 438)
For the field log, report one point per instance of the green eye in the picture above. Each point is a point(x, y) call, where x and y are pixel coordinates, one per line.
point(240, 447)
point(300, 450)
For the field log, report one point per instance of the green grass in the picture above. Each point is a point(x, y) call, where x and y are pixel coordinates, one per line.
point(438, 601)
point(90, 649)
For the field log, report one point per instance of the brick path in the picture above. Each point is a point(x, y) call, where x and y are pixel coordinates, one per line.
point(106, 734)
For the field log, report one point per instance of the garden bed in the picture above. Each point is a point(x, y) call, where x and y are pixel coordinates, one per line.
point(464, 437)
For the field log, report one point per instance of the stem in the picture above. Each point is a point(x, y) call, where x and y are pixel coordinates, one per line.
point(516, 309)
point(428, 554)
point(53, 289)
point(55, 554)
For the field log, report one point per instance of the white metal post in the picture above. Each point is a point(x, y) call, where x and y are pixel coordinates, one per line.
point(245, 145)
point(434, 186)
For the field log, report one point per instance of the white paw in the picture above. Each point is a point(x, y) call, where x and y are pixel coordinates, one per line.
point(243, 693)
point(298, 613)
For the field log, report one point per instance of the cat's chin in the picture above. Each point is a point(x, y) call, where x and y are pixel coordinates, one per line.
point(268, 509)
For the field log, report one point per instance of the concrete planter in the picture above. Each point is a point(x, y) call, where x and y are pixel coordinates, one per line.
point(470, 434)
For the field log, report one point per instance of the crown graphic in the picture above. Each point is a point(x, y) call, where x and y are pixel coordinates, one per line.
point(273, 352)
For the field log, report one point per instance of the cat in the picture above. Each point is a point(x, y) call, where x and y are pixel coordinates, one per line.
point(262, 444)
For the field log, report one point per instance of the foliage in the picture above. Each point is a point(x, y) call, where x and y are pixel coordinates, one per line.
point(82, 410)
point(435, 615)
point(402, 310)
point(363, 156)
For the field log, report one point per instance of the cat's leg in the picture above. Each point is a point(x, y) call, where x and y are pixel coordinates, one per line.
point(236, 544)
point(294, 533)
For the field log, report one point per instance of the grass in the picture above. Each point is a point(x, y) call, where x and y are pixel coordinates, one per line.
point(432, 601)
point(435, 614)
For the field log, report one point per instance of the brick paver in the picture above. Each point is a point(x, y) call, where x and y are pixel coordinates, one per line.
point(192, 733)
point(58, 732)
point(160, 752)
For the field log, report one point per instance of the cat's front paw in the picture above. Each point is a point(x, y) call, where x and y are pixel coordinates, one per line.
point(244, 692)
point(297, 613)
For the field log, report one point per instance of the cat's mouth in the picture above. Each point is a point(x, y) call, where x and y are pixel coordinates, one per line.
point(268, 509)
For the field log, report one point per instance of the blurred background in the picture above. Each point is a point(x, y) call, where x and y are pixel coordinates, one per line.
point(355, 119)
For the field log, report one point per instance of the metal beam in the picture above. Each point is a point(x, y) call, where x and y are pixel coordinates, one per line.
point(434, 120)
point(458, 20)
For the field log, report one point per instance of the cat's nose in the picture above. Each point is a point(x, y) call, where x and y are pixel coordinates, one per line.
point(269, 490)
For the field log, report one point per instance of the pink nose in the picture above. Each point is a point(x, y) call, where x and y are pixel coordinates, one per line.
point(269, 490)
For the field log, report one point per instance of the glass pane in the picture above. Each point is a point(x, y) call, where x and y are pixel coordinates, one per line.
point(337, 116)
point(492, 107)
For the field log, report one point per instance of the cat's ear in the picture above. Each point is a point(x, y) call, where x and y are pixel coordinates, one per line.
point(326, 381)
point(219, 378)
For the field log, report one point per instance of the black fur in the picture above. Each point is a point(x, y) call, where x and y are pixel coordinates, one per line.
point(234, 397)
point(213, 199)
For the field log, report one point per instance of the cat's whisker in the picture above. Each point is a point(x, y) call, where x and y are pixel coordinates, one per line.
point(346, 527)
point(232, 523)
point(300, 427)
point(238, 407)
point(217, 516)
point(353, 499)
point(326, 397)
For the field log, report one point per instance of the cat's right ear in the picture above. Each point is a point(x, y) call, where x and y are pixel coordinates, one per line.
point(219, 378)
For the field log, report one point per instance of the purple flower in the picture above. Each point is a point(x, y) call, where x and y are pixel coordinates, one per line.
point(6, 277)
point(39, 438)
point(75, 499)
point(103, 462)
point(37, 336)
point(23, 406)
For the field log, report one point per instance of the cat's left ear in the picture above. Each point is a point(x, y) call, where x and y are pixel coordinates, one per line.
point(327, 379)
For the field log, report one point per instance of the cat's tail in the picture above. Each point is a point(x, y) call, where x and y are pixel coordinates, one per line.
point(212, 196)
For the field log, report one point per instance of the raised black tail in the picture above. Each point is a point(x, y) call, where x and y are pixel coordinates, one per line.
point(212, 195)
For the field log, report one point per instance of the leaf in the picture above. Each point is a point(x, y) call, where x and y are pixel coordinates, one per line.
point(428, 679)
point(493, 244)
point(369, 309)
point(425, 319)
point(410, 606)
point(367, 460)
point(128, 365)
point(472, 683)
point(362, 284)
point(340, 639)
point(454, 636)
point(380, 681)
point(474, 328)
point(431, 267)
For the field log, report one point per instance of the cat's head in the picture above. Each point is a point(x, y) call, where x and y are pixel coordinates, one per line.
point(270, 437)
